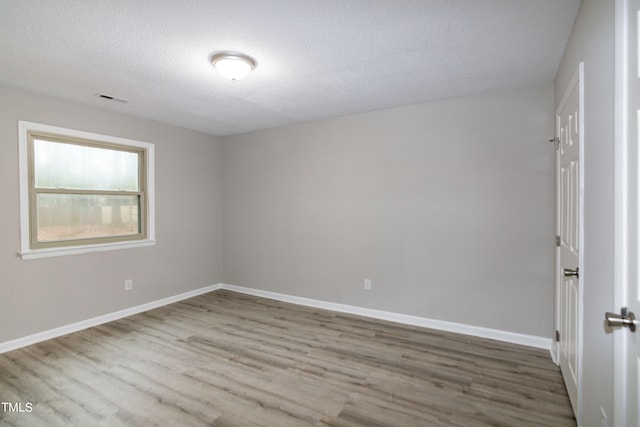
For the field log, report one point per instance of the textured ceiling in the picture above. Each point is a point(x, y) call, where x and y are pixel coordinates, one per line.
point(315, 58)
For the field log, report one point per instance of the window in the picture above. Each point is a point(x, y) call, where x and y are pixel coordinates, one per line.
point(83, 192)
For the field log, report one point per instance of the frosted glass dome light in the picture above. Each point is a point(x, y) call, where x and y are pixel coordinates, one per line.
point(233, 65)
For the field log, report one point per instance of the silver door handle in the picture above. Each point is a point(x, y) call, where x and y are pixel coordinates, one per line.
point(625, 318)
point(569, 272)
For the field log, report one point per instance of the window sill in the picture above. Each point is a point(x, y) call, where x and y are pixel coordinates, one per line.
point(76, 250)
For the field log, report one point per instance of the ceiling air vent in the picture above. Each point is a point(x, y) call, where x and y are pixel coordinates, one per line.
point(111, 98)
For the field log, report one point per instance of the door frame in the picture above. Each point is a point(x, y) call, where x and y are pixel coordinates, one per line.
point(577, 79)
point(620, 229)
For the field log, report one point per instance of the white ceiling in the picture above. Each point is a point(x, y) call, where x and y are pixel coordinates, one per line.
point(316, 58)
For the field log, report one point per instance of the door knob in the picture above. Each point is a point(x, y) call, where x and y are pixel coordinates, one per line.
point(569, 272)
point(625, 318)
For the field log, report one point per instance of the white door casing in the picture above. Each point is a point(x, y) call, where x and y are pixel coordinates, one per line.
point(626, 352)
point(570, 133)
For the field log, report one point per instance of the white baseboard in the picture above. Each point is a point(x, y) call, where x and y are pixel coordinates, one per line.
point(95, 321)
point(476, 331)
point(555, 352)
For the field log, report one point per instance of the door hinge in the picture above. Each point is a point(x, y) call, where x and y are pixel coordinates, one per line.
point(557, 336)
point(556, 142)
point(558, 241)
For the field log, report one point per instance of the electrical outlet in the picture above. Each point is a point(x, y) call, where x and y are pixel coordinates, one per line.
point(128, 285)
point(367, 284)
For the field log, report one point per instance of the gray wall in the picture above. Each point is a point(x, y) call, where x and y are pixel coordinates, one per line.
point(37, 295)
point(447, 207)
point(592, 41)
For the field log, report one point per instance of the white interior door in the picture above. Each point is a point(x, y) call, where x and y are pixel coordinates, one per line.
point(569, 292)
point(627, 187)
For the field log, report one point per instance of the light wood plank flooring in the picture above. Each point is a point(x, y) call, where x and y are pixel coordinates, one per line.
point(227, 359)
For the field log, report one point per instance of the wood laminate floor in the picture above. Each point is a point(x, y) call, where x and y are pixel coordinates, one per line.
point(227, 359)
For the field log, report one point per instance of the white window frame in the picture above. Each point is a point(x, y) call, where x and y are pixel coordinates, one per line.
point(26, 251)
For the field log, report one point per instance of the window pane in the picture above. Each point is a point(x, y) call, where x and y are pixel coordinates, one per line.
point(82, 216)
point(77, 167)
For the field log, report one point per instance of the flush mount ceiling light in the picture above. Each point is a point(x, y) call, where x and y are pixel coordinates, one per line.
point(233, 65)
